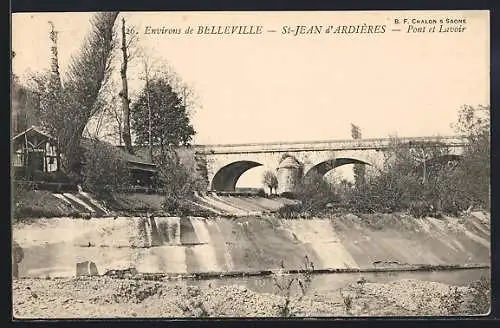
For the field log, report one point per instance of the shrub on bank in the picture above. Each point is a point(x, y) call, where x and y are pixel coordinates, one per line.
point(404, 183)
point(178, 183)
point(289, 211)
point(314, 194)
point(104, 170)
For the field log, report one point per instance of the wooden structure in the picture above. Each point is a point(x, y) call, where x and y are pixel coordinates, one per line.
point(142, 172)
point(36, 157)
point(35, 150)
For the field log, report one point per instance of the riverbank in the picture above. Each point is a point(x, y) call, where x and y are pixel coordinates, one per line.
point(173, 245)
point(104, 297)
point(47, 204)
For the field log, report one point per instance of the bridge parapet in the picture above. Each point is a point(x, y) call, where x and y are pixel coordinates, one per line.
point(349, 144)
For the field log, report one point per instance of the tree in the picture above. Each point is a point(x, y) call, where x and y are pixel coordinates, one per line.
point(271, 181)
point(147, 76)
point(25, 106)
point(66, 110)
point(171, 126)
point(108, 122)
point(423, 152)
point(104, 169)
point(54, 67)
point(156, 67)
point(473, 172)
point(127, 140)
point(178, 183)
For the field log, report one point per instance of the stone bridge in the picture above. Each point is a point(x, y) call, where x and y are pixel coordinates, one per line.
point(226, 163)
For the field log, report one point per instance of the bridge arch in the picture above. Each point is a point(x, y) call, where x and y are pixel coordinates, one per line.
point(328, 165)
point(226, 177)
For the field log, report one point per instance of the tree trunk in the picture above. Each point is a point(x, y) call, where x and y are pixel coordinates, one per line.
point(54, 60)
point(150, 135)
point(127, 140)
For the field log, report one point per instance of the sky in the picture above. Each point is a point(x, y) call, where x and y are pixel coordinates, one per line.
point(275, 87)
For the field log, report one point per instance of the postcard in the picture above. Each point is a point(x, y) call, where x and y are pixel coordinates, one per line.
point(250, 164)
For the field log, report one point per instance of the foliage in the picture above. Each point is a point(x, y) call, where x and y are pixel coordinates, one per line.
point(104, 168)
point(293, 287)
point(314, 193)
point(289, 211)
point(19, 193)
point(171, 122)
point(347, 300)
point(270, 180)
point(412, 179)
point(473, 174)
point(66, 108)
point(422, 178)
point(178, 183)
point(25, 107)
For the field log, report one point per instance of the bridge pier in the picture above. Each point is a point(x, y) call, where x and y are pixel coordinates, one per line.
point(289, 175)
point(226, 163)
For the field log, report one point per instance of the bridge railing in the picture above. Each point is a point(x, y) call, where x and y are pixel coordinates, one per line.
point(348, 144)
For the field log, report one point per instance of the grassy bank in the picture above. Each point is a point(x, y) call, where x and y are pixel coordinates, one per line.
point(40, 203)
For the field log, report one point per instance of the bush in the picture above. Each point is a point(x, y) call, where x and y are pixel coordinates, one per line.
point(178, 206)
point(104, 168)
point(292, 287)
point(289, 211)
point(19, 192)
point(402, 186)
point(404, 183)
point(314, 194)
point(178, 182)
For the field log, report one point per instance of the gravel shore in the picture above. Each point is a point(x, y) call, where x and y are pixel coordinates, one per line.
point(105, 297)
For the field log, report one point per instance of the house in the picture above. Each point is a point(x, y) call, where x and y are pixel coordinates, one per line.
point(37, 157)
point(35, 150)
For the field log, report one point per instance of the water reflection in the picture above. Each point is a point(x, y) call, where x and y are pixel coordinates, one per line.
point(324, 284)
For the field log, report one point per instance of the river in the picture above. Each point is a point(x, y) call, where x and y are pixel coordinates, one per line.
point(327, 284)
point(52, 247)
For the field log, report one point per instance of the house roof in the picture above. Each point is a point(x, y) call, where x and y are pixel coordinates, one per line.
point(34, 130)
point(136, 161)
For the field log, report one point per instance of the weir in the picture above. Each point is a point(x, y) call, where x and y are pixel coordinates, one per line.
point(167, 245)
